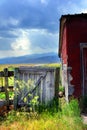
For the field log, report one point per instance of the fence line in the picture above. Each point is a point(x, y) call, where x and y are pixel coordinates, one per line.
point(6, 74)
point(47, 80)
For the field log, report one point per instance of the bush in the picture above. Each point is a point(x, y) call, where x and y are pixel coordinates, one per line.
point(24, 95)
point(71, 109)
point(61, 88)
point(51, 107)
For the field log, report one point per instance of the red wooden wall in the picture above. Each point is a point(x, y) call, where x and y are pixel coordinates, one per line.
point(74, 33)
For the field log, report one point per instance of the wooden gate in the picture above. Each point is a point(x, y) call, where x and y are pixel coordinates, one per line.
point(45, 84)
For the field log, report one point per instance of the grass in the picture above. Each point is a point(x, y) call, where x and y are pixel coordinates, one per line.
point(43, 122)
point(67, 118)
point(2, 95)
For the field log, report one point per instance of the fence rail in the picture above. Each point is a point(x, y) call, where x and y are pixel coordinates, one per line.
point(2, 88)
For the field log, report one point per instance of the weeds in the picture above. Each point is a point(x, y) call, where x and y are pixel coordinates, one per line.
point(68, 118)
point(72, 109)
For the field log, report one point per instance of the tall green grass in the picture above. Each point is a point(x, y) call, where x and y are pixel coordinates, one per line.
point(66, 118)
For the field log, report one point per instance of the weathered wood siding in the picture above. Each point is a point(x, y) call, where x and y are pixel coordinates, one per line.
point(45, 78)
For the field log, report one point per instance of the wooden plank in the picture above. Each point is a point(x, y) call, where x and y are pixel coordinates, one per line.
point(52, 85)
point(10, 73)
point(57, 76)
point(16, 77)
point(3, 102)
point(2, 89)
point(6, 87)
point(36, 69)
point(57, 82)
point(1, 74)
point(44, 80)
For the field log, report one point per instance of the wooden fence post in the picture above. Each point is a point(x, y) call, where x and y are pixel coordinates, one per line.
point(16, 77)
point(6, 87)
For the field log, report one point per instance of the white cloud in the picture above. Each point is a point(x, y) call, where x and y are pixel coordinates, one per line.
point(13, 53)
point(42, 41)
point(71, 7)
point(22, 42)
point(13, 21)
point(10, 21)
point(84, 10)
point(31, 41)
point(44, 2)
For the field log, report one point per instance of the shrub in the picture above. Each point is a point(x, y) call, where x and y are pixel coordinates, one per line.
point(24, 96)
point(71, 109)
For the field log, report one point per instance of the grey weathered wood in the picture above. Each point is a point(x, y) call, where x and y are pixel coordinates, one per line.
point(6, 87)
point(57, 78)
point(52, 84)
point(57, 82)
point(2, 89)
point(16, 77)
point(1, 74)
point(8, 73)
point(45, 79)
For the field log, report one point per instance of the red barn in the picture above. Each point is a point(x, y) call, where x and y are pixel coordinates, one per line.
point(73, 53)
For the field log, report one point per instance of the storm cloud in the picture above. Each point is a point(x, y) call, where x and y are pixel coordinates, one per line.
point(32, 26)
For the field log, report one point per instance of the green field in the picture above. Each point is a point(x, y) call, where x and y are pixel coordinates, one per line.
point(12, 66)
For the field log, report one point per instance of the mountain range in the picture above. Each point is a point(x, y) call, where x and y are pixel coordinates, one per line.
point(32, 59)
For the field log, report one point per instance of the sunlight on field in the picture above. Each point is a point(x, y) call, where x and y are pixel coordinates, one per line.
point(11, 66)
point(52, 65)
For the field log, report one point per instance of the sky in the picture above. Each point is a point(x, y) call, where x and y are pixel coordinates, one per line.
point(32, 26)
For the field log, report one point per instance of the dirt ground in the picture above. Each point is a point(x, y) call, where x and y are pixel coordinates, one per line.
point(3, 107)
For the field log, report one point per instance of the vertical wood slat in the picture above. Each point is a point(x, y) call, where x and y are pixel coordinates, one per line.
point(6, 87)
point(41, 91)
point(57, 82)
point(16, 77)
point(48, 87)
point(57, 87)
point(52, 84)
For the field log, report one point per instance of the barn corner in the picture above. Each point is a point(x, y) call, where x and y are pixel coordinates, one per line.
point(73, 54)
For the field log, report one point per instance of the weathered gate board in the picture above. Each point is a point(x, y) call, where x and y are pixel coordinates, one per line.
point(44, 78)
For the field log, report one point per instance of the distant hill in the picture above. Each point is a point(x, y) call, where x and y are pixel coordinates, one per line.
point(32, 59)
